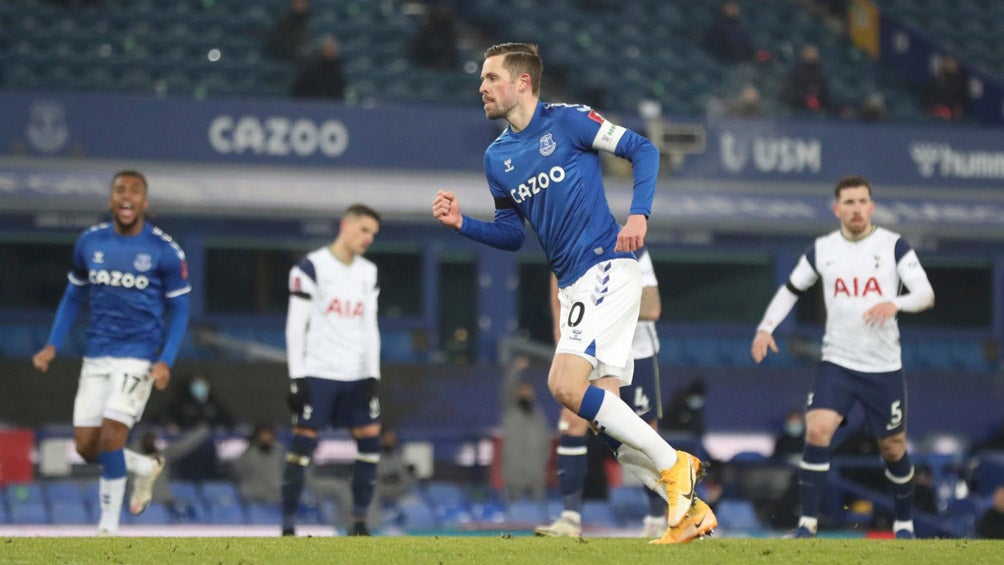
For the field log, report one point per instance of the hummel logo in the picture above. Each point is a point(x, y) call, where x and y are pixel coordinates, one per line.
point(508, 165)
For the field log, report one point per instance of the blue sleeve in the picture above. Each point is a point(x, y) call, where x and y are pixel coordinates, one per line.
point(307, 266)
point(506, 232)
point(644, 157)
point(810, 256)
point(902, 248)
point(178, 309)
point(69, 307)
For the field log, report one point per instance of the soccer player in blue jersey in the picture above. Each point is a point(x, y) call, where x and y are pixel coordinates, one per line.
point(130, 273)
point(545, 169)
point(863, 269)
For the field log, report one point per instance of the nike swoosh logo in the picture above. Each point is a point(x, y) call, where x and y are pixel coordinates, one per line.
point(698, 524)
point(690, 495)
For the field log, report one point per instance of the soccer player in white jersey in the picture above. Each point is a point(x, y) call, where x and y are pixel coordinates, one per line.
point(127, 271)
point(863, 269)
point(643, 395)
point(545, 169)
point(333, 351)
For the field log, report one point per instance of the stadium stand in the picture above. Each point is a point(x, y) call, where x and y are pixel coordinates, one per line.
point(649, 50)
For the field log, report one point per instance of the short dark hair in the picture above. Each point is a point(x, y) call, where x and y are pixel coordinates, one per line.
point(520, 58)
point(132, 173)
point(851, 181)
point(357, 210)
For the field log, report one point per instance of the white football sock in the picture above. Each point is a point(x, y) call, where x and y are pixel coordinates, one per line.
point(616, 419)
point(639, 465)
point(111, 492)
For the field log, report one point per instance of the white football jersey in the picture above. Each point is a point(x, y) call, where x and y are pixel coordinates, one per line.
point(331, 328)
point(646, 340)
point(856, 275)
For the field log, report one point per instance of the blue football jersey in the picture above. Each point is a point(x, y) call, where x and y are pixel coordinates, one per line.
point(129, 279)
point(550, 172)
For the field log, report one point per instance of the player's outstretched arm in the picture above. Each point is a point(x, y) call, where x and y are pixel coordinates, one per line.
point(43, 357)
point(446, 209)
point(761, 342)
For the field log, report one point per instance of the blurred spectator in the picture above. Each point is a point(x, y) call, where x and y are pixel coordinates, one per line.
point(323, 77)
point(948, 92)
point(258, 471)
point(727, 38)
point(435, 44)
point(288, 39)
point(195, 411)
point(874, 108)
point(685, 412)
point(789, 443)
point(395, 476)
point(194, 404)
point(746, 104)
point(805, 86)
point(991, 523)
point(526, 436)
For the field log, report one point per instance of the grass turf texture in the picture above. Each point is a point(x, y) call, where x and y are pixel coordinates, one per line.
point(484, 549)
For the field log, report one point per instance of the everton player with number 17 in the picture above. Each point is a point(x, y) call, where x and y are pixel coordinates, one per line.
point(130, 273)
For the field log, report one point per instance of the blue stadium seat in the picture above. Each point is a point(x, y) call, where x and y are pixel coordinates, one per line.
point(155, 514)
point(526, 511)
point(29, 512)
point(73, 512)
point(629, 503)
point(27, 504)
point(67, 503)
point(58, 491)
point(444, 494)
point(417, 515)
point(599, 513)
point(220, 493)
point(737, 515)
point(263, 513)
point(189, 505)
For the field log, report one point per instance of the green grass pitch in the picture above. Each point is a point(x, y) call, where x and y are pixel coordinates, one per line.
point(490, 549)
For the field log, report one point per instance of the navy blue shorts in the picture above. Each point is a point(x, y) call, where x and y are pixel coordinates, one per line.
point(640, 394)
point(339, 404)
point(882, 396)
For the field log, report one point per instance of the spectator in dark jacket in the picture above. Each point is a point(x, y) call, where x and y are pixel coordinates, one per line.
point(726, 38)
point(435, 44)
point(806, 86)
point(948, 93)
point(323, 77)
point(288, 39)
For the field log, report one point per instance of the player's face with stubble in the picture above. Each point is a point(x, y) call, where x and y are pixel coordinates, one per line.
point(498, 89)
point(854, 208)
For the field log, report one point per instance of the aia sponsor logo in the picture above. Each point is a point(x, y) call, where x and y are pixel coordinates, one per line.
point(856, 287)
point(345, 308)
